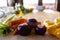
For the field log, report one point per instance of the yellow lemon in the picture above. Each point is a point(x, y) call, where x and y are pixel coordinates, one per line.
point(51, 29)
point(57, 33)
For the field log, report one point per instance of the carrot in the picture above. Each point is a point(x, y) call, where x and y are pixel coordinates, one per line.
point(19, 21)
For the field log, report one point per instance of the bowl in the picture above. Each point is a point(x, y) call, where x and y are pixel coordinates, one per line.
point(2, 14)
point(40, 8)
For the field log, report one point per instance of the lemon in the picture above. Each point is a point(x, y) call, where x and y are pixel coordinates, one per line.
point(57, 33)
point(57, 20)
point(48, 22)
point(51, 29)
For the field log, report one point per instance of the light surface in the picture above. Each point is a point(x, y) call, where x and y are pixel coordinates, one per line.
point(30, 3)
point(3, 3)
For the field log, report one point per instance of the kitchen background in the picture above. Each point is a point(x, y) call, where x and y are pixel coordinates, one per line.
point(49, 4)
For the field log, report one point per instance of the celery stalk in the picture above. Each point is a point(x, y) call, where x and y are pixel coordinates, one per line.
point(8, 18)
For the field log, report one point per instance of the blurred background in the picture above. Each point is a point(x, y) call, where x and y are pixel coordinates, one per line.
point(48, 4)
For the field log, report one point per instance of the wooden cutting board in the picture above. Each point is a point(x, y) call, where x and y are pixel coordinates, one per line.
point(40, 16)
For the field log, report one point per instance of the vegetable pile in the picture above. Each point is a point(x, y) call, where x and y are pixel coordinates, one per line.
point(53, 28)
point(4, 28)
point(24, 10)
point(23, 27)
point(20, 10)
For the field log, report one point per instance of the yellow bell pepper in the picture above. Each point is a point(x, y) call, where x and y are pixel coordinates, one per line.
point(57, 33)
point(48, 23)
point(51, 29)
point(20, 13)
